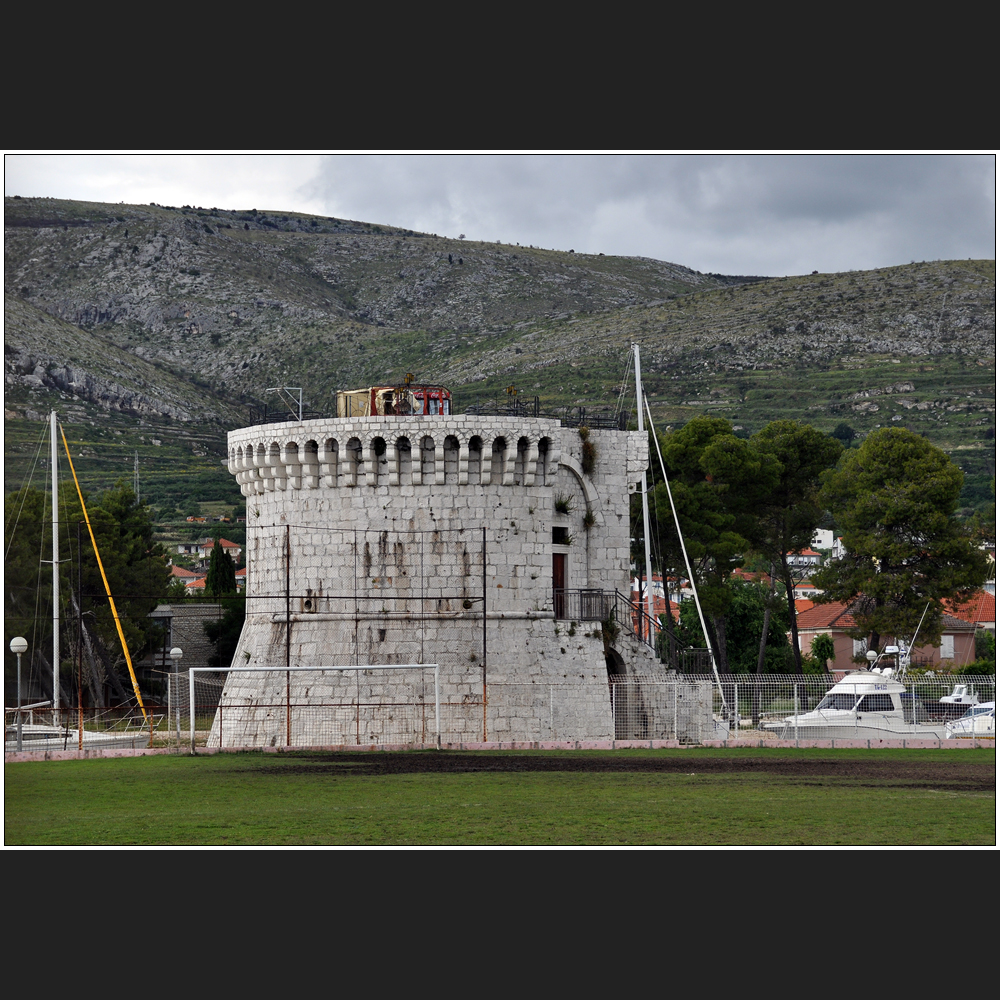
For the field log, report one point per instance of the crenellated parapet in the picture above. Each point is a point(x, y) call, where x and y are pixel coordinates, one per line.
point(359, 453)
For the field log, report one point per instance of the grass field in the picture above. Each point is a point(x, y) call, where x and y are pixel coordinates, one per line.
point(682, 797)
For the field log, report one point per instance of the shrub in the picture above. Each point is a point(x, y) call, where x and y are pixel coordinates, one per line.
point(588, 459)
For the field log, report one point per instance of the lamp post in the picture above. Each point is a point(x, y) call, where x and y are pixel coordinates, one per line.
point(18, 645)
point(176, 654)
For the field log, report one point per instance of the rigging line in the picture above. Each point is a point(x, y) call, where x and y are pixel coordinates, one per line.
point(24, 491)
point(654, 531)
point(697, 601)
point(100, 565)
point(38, 589)
point(623, 385)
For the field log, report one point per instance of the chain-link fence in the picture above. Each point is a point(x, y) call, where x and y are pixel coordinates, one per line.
point(865, 707)
point(39, 728)
point(368, 706)
point(363, 707)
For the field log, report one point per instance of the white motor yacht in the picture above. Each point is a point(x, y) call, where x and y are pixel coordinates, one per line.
point(956, 704)
point(979, 722)
point(866, 704)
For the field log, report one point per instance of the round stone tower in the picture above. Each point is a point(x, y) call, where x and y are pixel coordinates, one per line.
point(492, 546)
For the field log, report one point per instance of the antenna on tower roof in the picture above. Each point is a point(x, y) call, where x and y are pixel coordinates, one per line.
point(286, 393)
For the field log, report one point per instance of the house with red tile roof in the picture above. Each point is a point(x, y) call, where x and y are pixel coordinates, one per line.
point(660, 602)
point(804, 561)
point(205, 548)
point(981, 609)
point(202, 549)
point(958, 638)
point(180, 573)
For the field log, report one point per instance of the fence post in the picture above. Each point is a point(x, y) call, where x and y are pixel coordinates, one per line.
point(288, 635)
point(485, 730)
point(736, 707)
point(795, 696)
point(191, 708)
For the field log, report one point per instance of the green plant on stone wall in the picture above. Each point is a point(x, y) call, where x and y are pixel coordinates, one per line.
point(588, 458)
point(609, 629)
point(563, 504)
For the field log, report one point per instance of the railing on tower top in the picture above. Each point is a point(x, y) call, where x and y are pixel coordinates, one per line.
point(569, 416)
point(266, 415)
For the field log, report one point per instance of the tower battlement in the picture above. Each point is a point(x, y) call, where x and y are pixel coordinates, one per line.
point(396, 451)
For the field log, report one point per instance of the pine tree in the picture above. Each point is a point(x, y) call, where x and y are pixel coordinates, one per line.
point(894, 500)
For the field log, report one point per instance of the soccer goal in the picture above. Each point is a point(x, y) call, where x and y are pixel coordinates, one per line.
point(325, 705)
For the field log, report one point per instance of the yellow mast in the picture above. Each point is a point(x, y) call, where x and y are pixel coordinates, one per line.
point(107, 589)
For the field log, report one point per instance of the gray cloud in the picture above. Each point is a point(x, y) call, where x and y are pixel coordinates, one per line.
point(735, 214)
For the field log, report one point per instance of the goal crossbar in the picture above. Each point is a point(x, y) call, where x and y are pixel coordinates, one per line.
point(353, 666)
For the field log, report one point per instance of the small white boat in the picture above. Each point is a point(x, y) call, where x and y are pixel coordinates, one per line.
point(958, 702)
point(865, 705)
point(36, 738)
point(980, 721)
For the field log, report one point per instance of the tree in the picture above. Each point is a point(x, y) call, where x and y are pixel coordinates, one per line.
point(717, 480)
point(221, 577)
point(823, 649)
point(744, 621)
point(788, 517)
point(136, 569)
point(225, 631)
point(894, 499)
point(844, 433)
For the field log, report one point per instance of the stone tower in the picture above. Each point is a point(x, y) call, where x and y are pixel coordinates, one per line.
point(490, 545)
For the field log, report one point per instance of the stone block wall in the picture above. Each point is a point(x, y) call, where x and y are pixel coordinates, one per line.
point(365, 545)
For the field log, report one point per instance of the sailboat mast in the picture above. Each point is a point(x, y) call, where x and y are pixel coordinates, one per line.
point(55, 569)
point(645, 503)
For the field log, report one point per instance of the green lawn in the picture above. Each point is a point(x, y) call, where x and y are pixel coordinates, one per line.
point(296, 799)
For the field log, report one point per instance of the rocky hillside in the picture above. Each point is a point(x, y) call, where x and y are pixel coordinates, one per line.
point(166, 319)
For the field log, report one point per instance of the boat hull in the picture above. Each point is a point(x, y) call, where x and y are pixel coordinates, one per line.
point(787, 730)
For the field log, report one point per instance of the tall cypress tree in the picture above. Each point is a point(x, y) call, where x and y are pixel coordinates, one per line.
point(221, 577)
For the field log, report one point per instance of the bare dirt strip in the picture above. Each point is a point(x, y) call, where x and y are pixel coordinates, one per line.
point(944, 775)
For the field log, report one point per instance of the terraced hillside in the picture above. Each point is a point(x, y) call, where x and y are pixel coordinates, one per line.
point(164, 323)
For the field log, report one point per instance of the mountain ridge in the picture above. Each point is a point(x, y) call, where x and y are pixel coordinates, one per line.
point(192, 313)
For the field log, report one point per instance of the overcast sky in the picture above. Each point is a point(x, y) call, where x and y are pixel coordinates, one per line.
point(769, 214)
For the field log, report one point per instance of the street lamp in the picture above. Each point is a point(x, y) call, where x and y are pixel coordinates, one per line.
point(176, 654)
point(18, 645)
